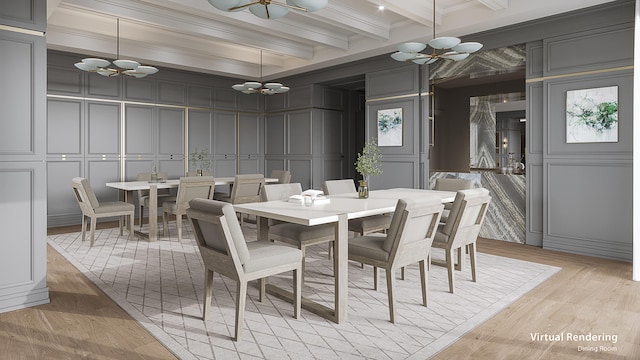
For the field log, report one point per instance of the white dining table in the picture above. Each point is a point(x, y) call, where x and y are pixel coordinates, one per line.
point(338, 211)
point(128, 187)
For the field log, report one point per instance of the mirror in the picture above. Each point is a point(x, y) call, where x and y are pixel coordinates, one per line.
point(497, 133)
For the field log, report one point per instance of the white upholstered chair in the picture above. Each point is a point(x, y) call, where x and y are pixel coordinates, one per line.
point(188, 189)
point(446, 184)
point(462, 229)
point(247, 188)
point(298, 235)
point(408, 241)
point(283, 176)
point(143, 195)
point(93, 209)
point(224, 250)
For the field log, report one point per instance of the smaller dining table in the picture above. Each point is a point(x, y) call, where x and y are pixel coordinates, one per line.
point(128, 187)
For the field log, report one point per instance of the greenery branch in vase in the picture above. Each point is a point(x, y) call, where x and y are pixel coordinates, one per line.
point(199, 160)
point(368, 163)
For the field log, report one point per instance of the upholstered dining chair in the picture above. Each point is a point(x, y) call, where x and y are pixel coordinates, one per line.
point(297, 235)
point(143, 195)
point(462, 229)
point(247, 188)
point(189, 188)
point(408, 241)
point(93, 209)
point(283, 176)
point(224, 250)
point(446, 184)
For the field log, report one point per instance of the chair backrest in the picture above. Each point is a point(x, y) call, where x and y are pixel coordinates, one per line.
point(219, 236)
point(84, 194)
point(247, 188)
point(272, 192)
point(332, 187)
point(147, 177)
point(452, 184)
point(413, 227)
point(195, 173)
point(195, 187)
point(283, 176)
point(466, 216)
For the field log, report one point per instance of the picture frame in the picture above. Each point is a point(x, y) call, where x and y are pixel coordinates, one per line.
point(592, 115)
point(390, 127)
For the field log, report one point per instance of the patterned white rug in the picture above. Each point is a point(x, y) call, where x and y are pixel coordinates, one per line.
point(160, 285)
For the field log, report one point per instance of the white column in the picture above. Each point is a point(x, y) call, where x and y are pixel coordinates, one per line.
point(636, 146)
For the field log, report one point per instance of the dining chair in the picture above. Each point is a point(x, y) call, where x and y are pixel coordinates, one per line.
point(224, 250)
point(297, 235)
point(189, 188)
point(445, 184)
point(462, 229)
point(246, 188)
point(408, 241)
point(143, 195)
point(93, 209)
point(195, 173)
point(283, 176)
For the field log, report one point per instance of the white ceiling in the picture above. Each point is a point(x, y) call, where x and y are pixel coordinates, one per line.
point(193, 35)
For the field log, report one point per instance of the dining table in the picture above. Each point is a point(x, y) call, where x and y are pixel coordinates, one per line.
point(338, 211)
point(127, 188)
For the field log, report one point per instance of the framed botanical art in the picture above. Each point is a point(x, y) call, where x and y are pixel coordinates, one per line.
point(390, 125)
point(592, 115)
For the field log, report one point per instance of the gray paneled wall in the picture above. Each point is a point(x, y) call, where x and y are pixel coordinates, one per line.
point(23, 130)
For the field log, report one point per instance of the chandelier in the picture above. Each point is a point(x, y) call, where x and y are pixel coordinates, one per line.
point(126, 67)
point(269, 9)
point(442, 48)
point(255, 87)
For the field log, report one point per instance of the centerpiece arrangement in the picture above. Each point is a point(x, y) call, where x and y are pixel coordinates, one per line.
point(199, 160)
point(368, 163)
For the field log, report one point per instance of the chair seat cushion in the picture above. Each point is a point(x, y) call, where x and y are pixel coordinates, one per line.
point(303, 233)
point(440, 239)
point(265, 255)
point(370, 223)
point(115, 206)
point(369, 246)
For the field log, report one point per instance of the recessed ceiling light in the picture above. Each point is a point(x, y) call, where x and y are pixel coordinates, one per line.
point(381, 7)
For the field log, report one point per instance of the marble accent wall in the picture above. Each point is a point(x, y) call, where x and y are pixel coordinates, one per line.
point(505, 218)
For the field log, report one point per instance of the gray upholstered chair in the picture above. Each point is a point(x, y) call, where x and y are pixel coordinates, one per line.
point(283, 176)
point(462, 229)
point(298, 235)
point(189, 188)
point(93, 209)
point(143, 195)
point(362, 226)
point(247, 188)
point(408, 241)
point(224, 250)
point(446, 184)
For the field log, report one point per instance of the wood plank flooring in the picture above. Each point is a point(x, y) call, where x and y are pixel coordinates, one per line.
point(588, 295)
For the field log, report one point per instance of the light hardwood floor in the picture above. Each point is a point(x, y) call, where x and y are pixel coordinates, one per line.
point(588, 295)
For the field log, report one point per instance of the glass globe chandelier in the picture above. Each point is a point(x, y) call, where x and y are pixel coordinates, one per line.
point(126, 67)
point(257, 87)
point(269, 9)
point(449, 48)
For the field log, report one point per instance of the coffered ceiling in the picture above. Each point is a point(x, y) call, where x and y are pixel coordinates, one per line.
point(193, 35)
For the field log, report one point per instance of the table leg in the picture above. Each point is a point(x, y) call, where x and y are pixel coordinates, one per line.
point(263, 228)
point(153, 212)
point(341, 264)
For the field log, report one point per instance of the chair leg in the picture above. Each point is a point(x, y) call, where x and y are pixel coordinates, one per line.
point(262, 288)
point(472, 257)
point(391, 279)
point(84, 227)
point(93, 230)
point(375, 278)
point(120, 218)
point(241, 299)
point(424, 281)
point(208, 287)
point(303, 249)
point(164, 223)
point(132, 218)
point(297, 291)
point(141, 212)
point(459, 264)
point(402, 273)
point(449, 254)
point(179, 225)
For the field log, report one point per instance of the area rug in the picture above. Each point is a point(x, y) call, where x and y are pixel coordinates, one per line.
point(160, 284)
